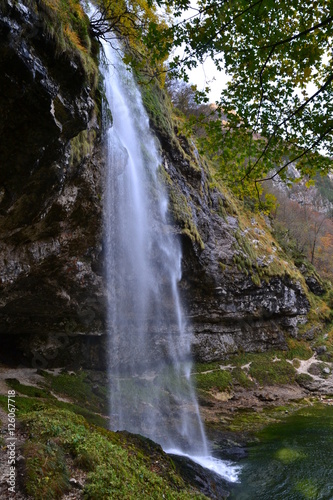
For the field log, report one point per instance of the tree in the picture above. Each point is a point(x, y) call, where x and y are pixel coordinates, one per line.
point(272, 49)
point(303, 223)
point(128, 22)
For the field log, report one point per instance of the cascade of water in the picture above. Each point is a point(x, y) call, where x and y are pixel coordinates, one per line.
point(150, 361)
point(151, 391)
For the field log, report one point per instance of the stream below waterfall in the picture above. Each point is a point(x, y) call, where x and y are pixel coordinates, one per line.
point(290, 460)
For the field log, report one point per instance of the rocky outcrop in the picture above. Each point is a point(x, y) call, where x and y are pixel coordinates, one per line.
point(229, 309)
point(51, 305)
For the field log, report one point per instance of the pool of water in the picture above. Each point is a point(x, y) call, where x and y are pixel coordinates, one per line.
point(292, 460)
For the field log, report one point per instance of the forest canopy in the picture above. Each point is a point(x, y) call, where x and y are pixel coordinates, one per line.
point(272, 50)
point(277, 107)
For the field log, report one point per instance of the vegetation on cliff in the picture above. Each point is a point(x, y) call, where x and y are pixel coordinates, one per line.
point(66, 24)
point(66, 446)
point(269, 116)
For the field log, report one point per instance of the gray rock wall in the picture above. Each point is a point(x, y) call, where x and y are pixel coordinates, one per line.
point(227, 311)
point(52, 292)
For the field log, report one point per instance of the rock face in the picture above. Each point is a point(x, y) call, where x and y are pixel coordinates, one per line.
point(52, 303)
point(227, 310)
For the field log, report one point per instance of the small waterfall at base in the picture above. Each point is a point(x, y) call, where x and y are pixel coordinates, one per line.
point(150, 361)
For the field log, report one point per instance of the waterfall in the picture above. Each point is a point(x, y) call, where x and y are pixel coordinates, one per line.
point(151, 392)
point(150, 362)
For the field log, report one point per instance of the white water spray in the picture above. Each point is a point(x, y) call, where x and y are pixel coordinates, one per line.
point(150, 360)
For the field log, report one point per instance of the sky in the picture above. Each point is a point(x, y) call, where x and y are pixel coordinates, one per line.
point(206, 74)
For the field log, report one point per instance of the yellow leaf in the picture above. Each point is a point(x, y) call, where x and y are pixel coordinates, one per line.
point(307, 72)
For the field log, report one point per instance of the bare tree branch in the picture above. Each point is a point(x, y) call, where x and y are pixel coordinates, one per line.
point(305, 152)
point(328, 20)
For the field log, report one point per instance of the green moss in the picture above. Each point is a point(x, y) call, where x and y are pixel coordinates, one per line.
point(247, 421)
point(180, 209)
point(241, 378)
point(82, 146)
point(65, 22)
point(267, 372)
point(222, 211)
point(23, 404)
point(194, 235)
point(303, 379)
point(266, 368)
point(308, 489)
point(164, 177)
point(289, 455)
point(209, 376)
point(87, 398)
point(116, 468)
point(320, 309)
point(26, 405)
point(319, 319)
point(27, 390)
point(182, 214)
point(46, 474)
point(213, 379)
point(298, 349)
point(256, 280)
point(246, 246)
point(79, 388)
point(252, 421)
point(205, 367)
point(296, 363)
point(158, 108)
point(222, 266)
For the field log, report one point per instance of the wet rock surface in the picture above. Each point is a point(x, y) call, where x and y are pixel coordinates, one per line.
point(226, 309)
point(52, 306)
point(207, 482)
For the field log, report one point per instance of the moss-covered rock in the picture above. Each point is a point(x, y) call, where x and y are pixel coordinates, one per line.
point(115, 467)
point(50, 207)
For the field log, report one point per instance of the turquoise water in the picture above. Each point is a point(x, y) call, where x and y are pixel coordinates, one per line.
point(293, 460)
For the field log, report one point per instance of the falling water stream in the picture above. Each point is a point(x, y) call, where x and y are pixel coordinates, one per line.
point(150, 359)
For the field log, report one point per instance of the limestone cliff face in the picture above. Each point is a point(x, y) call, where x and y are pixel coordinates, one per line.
point(52, 303)
point(229, 307)
point(239, 291)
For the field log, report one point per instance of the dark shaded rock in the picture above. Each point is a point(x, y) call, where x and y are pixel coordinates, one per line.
point(207, 482)
point(314, 285)
point(39, 115)
point(52, 301)
point(75, 483)
point(235, 453)
point(228, 445)
point(266, 396)
point(308, 382)
point(311, 333)
point(316, 369)
point(321, 349)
